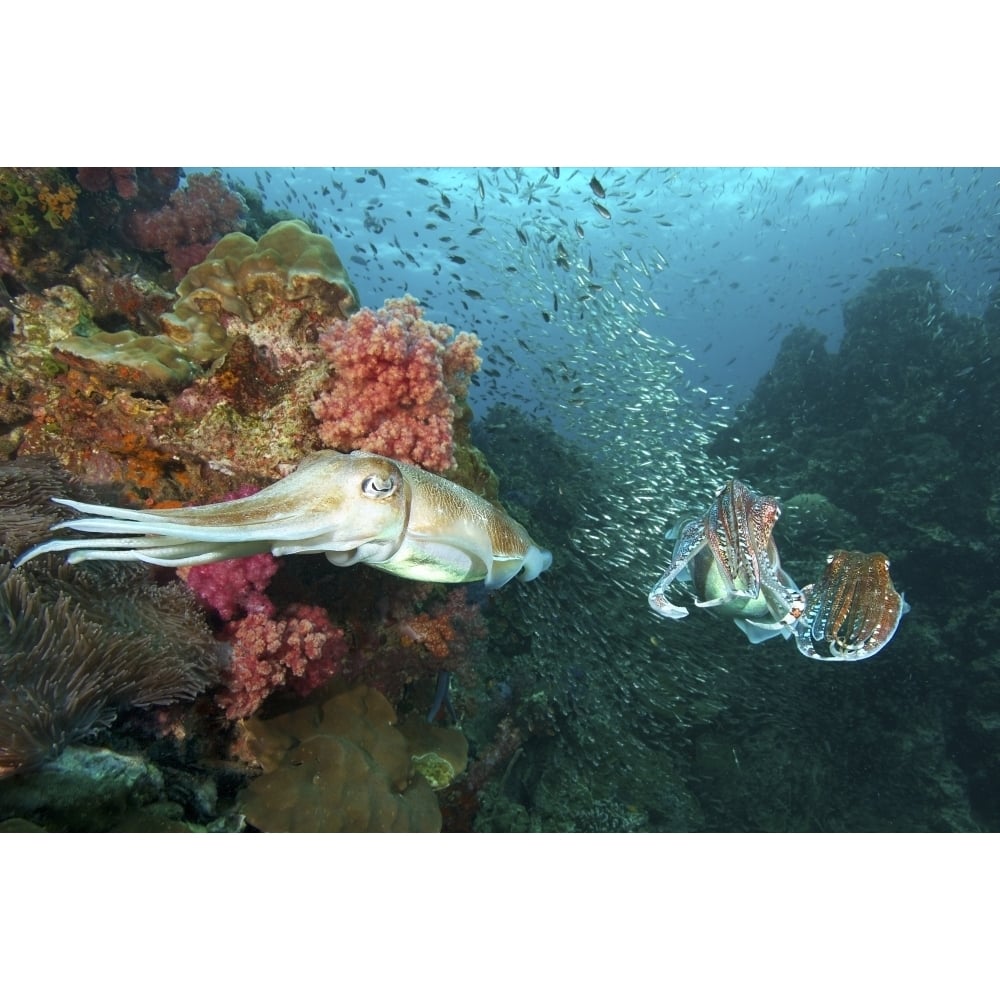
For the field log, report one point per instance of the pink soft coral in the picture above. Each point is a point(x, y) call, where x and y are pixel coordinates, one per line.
point(300, 649)
point(297, 647)
point(233, 587)
point(396, 384)
point(187, 228)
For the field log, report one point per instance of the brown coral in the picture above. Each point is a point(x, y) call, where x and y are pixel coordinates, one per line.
point(339, 767)
point(66, 670)
point(291, 275)
point(119, 296)
point(249, 417)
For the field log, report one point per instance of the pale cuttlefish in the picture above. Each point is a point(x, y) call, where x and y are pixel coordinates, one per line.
point(730, 563)
point(853, 611)
point(356, 508)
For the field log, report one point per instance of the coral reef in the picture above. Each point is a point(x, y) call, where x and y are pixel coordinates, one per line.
point(84, 789)
point(149, 365)
point(145, 187)
point(79, 644)
point(26, 514)
point(103, 397)
point(343, 766)
point(187, 228)
point(57, 329)
point(297, 648)
point(118, 296)
point(158, 402)
point(440, 755)
point(40, 229)
point(249, 418)
point(274, 290)
point(122, 179)
point(30, 198)
point(417, 632)
point(234, 587)
point(411, 375)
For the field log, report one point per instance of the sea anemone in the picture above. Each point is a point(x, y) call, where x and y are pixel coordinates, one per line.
point(77, 645)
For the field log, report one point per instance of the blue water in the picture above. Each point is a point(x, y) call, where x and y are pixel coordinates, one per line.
point(625, 318)
point(721, 261)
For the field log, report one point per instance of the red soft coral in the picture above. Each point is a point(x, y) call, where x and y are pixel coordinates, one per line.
point(123, 179)
point(300, 649)
point(187, 228)
point(233, 587)
point(397, 381)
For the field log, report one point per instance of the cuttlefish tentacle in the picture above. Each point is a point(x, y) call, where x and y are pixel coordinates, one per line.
point(353, 508)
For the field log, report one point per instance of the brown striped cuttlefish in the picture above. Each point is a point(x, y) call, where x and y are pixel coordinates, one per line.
point(853, 611)
point(729, 563)
point(356, 508)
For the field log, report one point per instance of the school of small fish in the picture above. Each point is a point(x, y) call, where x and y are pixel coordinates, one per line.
point(602, 297)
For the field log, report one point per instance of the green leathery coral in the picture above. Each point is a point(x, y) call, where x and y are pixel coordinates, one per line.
point(340, 767)
point(290, 268)
point(146, 364)
point(58, 326)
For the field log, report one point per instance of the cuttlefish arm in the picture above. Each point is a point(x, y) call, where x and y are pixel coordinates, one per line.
point(690, 540)
point(731, 563)
point(353, 508)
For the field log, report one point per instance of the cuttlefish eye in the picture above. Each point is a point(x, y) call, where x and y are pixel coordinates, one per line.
point(377, 487)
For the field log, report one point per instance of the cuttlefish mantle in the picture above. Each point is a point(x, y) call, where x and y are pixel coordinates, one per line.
point(356, 508)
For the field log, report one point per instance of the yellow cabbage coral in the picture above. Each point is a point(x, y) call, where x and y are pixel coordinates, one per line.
point(290, 270)
point(339, 767)
point(440, 755)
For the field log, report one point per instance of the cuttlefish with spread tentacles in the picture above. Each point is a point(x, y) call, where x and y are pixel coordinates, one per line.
point(731, 562)
point(356, 508)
